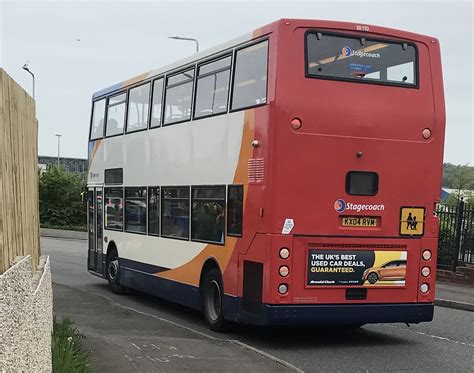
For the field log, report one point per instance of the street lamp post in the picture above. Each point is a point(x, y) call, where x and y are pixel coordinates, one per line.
point(27, 69)
point(59, 137)
point(187, 39)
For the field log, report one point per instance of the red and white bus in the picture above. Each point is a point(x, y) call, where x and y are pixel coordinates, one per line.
point(289, 176)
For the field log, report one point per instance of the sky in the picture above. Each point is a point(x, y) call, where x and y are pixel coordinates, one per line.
point(76, 48)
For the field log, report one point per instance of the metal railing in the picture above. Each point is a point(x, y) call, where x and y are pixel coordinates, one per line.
point(456, 237)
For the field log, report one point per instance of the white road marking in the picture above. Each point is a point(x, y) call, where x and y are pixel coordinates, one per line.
point(134, 345)
point(267, 355)
point(132, 363)
point(430, 335)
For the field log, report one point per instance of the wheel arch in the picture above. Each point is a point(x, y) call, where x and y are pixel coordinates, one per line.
point(210, 263)
point(111, 246)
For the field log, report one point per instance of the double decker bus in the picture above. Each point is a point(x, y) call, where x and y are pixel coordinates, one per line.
point(289, 176)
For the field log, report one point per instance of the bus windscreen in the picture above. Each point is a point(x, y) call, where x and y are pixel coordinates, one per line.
point(342, 57)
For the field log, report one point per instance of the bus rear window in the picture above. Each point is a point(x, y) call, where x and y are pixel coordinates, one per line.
point(331, 56)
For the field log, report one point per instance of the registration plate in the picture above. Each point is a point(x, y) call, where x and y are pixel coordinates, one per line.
point(359, 221)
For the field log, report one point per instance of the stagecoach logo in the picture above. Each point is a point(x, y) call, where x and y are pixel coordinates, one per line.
point(348, 52)
point(340, 206)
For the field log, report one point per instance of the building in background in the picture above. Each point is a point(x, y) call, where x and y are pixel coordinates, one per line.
point(72, 165)
point(464, 193)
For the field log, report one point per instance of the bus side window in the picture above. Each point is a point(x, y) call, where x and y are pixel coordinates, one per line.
point(212, 88)
point(175, 212)
point(156, 103)
point(116, 115)
point(178, 95)
point(98, 114)
point(208, 214)
point(235, 204)
point(250, 76)
point(154, 211)
point(113, 207)
point(138, 103)
point(135, 209)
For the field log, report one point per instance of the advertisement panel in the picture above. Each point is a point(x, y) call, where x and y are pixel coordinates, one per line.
point(356, 267)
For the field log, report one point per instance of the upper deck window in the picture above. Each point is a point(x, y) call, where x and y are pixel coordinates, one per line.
point(116, 115)
point(156, 103)
point(97, 125)
point(341, 57)
point(179, 90)
point(212, 88)
point(138, 104)
point(250, 76)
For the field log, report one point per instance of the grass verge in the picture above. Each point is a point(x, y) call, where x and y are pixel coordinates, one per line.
point(68, 353)
point(68, 227)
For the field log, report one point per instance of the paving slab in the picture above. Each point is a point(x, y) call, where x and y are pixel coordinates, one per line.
point(455, 296)
point(120, 340)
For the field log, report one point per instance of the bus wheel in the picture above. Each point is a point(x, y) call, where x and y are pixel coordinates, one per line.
point(212, 300)
point(113, 273)
point(372, 278)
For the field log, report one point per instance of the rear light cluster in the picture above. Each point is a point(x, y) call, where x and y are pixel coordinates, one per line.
point(424, 288)
point(426, 133)
point(282, 288)
point(284, 270)
point(296, 123)
point(425, 271)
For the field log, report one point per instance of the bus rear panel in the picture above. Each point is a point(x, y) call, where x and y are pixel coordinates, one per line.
point(354, 156)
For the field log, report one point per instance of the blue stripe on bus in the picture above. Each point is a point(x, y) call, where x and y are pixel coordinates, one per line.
point(139, 266)
point(177, 292)
point(290, 314)
point(347, 314)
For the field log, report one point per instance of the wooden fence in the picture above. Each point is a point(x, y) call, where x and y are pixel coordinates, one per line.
point(19, 216)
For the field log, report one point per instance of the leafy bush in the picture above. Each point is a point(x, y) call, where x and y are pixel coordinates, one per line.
point(60, 199)
point(67, 348)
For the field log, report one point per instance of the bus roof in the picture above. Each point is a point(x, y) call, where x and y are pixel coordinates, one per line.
point(324, 24)
point(175, 65)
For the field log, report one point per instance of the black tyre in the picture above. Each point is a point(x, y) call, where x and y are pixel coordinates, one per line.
point(372, 278)
point(113, 273)
point(212, 300)
point(354, 326)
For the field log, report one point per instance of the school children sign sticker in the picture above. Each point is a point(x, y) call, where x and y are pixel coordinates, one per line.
point(412, 221)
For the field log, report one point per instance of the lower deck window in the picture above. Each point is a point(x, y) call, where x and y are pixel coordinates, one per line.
point(208, 217)
point(235, 204)
point(113, 208)
point(175, 212)
point(154, 211)
point(135, 210)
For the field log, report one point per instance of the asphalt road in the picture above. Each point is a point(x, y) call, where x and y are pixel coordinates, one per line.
point(444, 345)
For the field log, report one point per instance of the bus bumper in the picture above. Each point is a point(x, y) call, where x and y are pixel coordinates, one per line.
point(340, 314)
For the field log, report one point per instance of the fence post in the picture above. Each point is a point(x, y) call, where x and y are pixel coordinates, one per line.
point(457, 240)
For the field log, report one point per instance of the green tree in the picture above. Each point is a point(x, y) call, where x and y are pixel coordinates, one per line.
point(60, 199)
point(459, 177)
